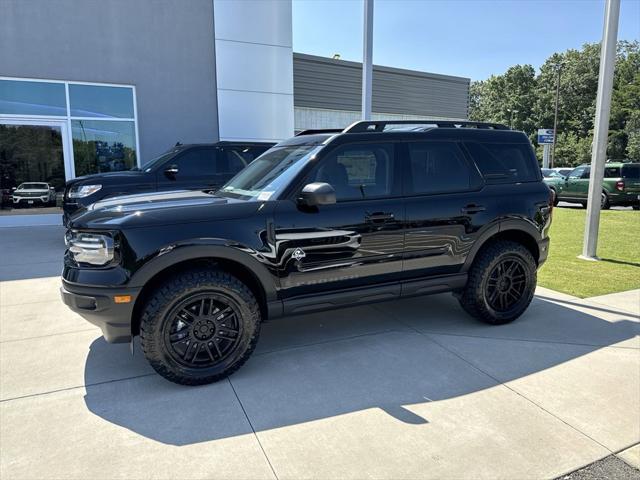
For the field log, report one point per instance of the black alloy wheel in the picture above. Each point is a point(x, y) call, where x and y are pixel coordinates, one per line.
point(501, 283)
point(199, 326)
point(506, 284)
point(204, 330)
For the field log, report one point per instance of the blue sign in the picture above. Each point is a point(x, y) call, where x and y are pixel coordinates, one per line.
point(545, 135)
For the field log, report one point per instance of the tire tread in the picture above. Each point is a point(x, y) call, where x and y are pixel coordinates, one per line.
point(472, 298)
point(165, 296)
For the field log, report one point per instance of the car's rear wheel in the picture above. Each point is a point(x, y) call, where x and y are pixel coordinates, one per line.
point(636, 206)
point(604, 201)
point(501, 283)
point(199, 327)
point(554, 197)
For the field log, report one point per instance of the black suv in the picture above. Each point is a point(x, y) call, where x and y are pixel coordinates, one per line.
point(188, 167)
point(379, 211)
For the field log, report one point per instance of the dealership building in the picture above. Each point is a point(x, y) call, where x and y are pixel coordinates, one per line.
point(102, 85)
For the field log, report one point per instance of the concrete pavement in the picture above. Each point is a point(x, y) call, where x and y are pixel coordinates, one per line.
point(410, 389)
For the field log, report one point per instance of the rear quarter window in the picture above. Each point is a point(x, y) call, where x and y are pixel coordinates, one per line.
point(631, 171)
point(505, 162)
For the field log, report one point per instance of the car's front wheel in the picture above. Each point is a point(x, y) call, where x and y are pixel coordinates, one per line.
point(501, 284)
point(199, 326)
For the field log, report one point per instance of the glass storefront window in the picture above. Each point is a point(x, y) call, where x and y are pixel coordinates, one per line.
point(103, 146)
point(100, 101)
point(31, 167)
point(52, 131)
point(32, 98)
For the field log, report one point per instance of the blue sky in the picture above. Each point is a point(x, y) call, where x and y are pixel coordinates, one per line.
point(469, 38)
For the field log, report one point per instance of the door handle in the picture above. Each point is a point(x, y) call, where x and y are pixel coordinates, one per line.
point(472, 208)
point(379, 217)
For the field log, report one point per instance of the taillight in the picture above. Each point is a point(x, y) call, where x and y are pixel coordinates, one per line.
point(620, 185)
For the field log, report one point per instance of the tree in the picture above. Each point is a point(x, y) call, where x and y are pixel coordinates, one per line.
point(527, 102)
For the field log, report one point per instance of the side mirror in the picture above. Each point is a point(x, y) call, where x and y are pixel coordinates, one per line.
point(316, 194)
point(171, 171)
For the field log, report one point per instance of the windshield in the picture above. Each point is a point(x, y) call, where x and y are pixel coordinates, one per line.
point(33, 186)
point(159, 160)
point(270, 173)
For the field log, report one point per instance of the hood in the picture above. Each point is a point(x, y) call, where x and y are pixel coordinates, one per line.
point(121, 176)
point(162, 208)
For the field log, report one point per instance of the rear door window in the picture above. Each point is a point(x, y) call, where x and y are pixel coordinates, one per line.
point(611, 172)
point(196, 162)
point(577, 172)
point(438, 167)
point(505, 162)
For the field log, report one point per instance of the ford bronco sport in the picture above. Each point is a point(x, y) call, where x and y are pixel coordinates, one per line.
point(379, 211)
point(620, 185)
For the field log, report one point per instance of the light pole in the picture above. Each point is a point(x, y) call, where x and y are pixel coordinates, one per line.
point(367, 59)
point(511, 113)
point(601, 127)
point(555, 116)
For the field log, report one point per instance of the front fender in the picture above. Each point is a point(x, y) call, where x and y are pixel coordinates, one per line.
point(205, 248)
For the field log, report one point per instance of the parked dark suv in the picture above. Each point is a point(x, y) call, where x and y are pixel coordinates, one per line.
point(188, 167)
point(379, 211)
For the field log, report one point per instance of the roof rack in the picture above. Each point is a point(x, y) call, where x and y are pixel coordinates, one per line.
point(379, 125)
point(313, 131)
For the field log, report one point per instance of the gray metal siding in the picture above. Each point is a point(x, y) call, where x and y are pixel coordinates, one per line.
point(163, 47)
point(337, 84)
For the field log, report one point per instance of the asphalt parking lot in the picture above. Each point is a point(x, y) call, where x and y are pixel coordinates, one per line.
point(411, 389)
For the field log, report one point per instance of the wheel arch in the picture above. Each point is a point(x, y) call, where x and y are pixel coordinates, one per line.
point(240, 264)
point(515, 231)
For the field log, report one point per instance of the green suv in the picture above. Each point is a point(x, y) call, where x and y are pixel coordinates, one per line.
point(621, 185)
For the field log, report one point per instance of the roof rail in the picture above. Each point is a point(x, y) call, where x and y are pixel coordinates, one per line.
point(313, 131)
point(379, 125)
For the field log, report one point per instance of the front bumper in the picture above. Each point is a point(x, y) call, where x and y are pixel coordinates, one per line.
point(96, 305)
point(30, 200)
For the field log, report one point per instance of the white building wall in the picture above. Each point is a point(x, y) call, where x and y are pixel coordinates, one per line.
point(254, 69)
point(313, 118)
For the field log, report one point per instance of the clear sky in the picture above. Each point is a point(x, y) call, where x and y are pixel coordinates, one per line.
point(469, 38)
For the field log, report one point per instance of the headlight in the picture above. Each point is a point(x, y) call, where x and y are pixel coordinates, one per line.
point(91, 248)
point(82, 191)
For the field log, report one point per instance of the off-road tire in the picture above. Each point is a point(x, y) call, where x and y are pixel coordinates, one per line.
point(473, 298)
point(176, 289)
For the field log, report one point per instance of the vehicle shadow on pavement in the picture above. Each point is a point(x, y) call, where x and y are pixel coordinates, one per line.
point(421, 350)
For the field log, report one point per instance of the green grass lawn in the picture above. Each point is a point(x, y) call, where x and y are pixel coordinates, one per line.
point(618, 249)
